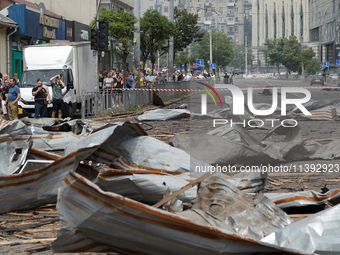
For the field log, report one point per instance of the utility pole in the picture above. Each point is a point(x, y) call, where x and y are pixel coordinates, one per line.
point(171, 42)
point(136, 52)
point(246, 44)
point(210, 71)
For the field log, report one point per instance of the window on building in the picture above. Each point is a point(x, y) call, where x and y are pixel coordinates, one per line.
point(230, 1)
point(212, 19)
point(236, 28)
point(198, 9)
point(221, 19)
point(314, 35)
point(207, 1)
point(207, 18)
point(221, 1)
point(236, 38)
point(236, 19)
point(236, 1)
point(236, 10)
point(150, 0)
point(198, 19)
point(250, 11)
point(230, 19)
point(231, 29)
point(198, 1)
point(151, 7)
point(220, 9)
point(229, 12)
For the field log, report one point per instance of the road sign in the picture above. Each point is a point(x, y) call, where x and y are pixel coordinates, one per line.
point(212, 66)
point(338, 62)
point(199, 62)
point(325, 64)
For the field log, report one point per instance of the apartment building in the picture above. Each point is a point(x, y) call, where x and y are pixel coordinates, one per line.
point(324, 23)
point(279, 19)
point(223, 15)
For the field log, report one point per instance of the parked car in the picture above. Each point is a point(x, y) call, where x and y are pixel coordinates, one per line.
point(317, 79)
point(333, 78)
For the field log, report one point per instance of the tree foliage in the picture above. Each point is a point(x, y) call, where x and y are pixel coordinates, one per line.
point(183, 58)
point(121, 27)
point(155, 32)
point(291, 54)
point(313, 66)
point(239, 56)
point(222, 48)
point(274, 51)
point(187, 30)
point(307, 55)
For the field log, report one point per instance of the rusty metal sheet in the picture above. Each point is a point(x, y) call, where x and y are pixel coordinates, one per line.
point(38, 187)
point(219, 203)
point(304, 198)
point(317, 234)
point(130, 227)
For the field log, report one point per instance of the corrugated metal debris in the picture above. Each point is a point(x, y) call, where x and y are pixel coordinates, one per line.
point(92, 215)
point(318, 234)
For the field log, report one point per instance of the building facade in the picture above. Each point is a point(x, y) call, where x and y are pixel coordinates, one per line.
point(223, 15)
point(324, 22)
point(10, 25)
point(279, 19)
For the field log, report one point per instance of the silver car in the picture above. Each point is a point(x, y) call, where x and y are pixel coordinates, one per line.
point(317, 79)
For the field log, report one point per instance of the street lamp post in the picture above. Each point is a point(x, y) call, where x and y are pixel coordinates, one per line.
point(210, 71)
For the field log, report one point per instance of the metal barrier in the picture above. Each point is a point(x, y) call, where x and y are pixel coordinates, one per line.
point(105, 102)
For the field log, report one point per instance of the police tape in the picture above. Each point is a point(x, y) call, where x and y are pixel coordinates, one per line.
point(109, 90)
point(217, 89)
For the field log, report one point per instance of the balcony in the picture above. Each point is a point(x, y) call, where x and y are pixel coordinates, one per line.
point(207, 22)
point(231, 4)
point(230, 21)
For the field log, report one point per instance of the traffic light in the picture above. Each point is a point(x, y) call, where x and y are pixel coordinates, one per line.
point(103, 36)
point(94, 39)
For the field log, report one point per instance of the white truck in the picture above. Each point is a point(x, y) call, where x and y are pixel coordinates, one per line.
point(75, 61)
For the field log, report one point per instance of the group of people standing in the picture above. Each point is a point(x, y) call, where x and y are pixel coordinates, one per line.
point(9, 96)
point(114, 79)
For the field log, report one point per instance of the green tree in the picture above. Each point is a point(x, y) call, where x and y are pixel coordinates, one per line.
point(313, 66)
point(274, 51)
point(183, 58)
point(291, 54)
point(155, 32)
point(187, 30)
point(239, 56)
point(122, 27)
point(222, 48)
point(307, 55)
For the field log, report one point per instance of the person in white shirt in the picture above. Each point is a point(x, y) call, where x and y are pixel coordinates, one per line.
point(187, 77)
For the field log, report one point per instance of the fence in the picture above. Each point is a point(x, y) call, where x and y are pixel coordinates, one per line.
point(113, 101)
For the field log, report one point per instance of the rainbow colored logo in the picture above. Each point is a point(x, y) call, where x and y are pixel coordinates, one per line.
point(208, 92)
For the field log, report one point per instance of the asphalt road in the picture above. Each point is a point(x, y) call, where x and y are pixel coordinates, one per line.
point(259, 97)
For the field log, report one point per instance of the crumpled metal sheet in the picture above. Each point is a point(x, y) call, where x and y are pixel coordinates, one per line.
point(38, 187)
point(145, 186)
point(325, 113)
point(319, 233)
point(219, 201)
point(13, 153)
point(164, 114)
point(139, 228)
point(237, 146)
point(304, 198)
point(315, 105)
point(149, 186)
